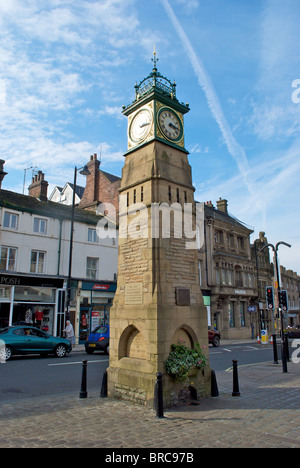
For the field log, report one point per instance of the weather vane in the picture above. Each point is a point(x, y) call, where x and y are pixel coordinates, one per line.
point(155, 59)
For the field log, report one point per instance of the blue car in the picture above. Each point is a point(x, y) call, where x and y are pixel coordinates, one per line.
point(98, 340)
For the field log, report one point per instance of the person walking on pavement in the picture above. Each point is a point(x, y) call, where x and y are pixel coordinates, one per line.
point(69, 330)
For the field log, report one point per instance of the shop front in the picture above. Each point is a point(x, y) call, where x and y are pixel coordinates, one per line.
point(31, 300)
point(95, 303)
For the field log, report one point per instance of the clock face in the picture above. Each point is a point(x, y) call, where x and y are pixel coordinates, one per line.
point(140, 126)
point(170, 124)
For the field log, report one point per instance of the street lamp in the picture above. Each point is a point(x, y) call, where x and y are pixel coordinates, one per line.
point(83, 171)
point(275, 250)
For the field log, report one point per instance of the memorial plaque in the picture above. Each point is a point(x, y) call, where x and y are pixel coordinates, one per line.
point(134, 294)
point(183, 296)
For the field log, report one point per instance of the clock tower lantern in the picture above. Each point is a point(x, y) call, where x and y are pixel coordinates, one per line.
point(158, 301)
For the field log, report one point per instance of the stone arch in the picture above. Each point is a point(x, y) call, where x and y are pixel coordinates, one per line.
point(185, 335)
point(132, 344)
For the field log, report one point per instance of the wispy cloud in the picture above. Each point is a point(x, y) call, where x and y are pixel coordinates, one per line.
point(234, 148)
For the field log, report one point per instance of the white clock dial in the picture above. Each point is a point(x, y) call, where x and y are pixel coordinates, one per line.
point(170, 124)
point(140, 126)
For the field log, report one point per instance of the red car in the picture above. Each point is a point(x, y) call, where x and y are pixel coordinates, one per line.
point(214, 338)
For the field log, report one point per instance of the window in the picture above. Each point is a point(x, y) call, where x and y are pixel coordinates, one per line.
point(238, 277)
point(230, 277)
point(37, 262)
point(40, 225)
point(134, 196)
point(8, 256)
point(92, 235)
point(231, 315)
point(242, 314)
point(219, 237)
point(92, 265)
point(10, 220)
point(142, 194)
point(230, 240)
point(241, 243)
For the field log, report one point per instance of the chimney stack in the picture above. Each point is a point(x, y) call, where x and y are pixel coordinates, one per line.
point(222, 205)
point(90, 198)
point(39, 187)
point(2, 173)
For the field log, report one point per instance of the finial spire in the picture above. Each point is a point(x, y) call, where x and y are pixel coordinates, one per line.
point(155, 59)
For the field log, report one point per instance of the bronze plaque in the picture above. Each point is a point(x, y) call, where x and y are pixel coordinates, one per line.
point(183, 296)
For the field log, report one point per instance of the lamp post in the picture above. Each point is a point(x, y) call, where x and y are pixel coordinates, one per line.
point(83, 171)
point(276, 267)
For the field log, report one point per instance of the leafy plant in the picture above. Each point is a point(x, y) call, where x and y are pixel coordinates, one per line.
point(182, 359)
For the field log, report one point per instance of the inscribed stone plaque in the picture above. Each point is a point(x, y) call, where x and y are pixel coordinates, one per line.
point(134, 294)
point(183, 296)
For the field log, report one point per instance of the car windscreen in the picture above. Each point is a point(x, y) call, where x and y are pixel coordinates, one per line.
point(100, 329)
point(3, 330)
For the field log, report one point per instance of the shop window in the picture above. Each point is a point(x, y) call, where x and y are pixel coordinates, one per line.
point(8, 257)
point(231, 315)
point(92, 267)
point(242, 314)
point(11, 220)
point(40, 226)
point(37, 262)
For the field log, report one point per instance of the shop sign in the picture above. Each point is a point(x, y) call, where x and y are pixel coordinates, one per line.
point(15, 280)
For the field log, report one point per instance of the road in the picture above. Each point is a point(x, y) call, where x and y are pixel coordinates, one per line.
point(33, 376)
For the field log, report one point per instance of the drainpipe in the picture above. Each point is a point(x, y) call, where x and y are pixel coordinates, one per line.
point(59, 246)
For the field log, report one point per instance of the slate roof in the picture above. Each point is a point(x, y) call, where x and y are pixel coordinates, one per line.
point(25, 203)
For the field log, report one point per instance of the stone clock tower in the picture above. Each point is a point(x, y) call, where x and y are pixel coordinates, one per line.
point(158, 300)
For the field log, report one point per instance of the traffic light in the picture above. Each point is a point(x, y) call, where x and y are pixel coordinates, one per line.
point(270, 297)
point(284, 300)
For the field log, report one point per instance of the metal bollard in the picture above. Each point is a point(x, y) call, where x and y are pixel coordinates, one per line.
point(214, 385)
point(83, 391)
point(275, 353)
point(287, 351)
point(236, 390)
point(159, 404)
point(103, 393)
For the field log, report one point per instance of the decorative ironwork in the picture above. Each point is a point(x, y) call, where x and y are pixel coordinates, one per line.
point(155, 81)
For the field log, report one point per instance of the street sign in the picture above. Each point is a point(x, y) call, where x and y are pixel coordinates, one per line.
point(251, 309)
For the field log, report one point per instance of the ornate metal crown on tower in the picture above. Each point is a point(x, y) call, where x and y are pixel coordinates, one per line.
point(156, 83)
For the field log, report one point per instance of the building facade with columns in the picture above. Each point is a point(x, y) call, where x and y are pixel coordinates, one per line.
point(227, 272)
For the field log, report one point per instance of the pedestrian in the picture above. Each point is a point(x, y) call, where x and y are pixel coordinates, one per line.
point(70, 335)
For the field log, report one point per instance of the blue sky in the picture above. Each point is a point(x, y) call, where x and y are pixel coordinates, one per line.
point(67, 67)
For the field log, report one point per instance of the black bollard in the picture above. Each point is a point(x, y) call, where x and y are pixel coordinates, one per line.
point(103, 393)
point(83, 391)
point(214, 385)
point(275, 353)
point(159, 404)
point(236, 390)
point(287, 351)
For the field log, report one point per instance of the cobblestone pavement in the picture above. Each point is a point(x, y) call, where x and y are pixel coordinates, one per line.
point(266, 415)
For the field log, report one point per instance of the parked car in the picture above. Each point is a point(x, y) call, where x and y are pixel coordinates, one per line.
point(30, 340)
point(214, 338)
point(98, 340)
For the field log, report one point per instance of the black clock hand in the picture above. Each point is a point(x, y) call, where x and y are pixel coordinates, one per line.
point(173, 126)
point(144, 125)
